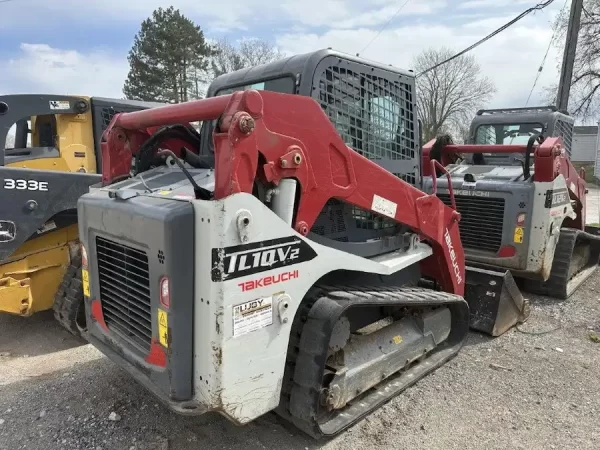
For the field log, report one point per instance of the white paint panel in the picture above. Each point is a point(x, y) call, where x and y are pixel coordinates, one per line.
point(241, 375)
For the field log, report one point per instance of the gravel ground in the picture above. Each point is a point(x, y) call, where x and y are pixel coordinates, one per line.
point(532, 388)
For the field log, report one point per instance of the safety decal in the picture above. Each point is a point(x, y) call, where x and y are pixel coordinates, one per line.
point(48, 226)
point(59, 104)
point(518, 236)
point(248, 259)
point(85, 279)
point(163, 327)
point(384, 206)
point(556, 197)
point(253, 315)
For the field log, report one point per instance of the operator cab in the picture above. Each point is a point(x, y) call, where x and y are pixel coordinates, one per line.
point(57, 132)
point(515, 127)
point(371, 105)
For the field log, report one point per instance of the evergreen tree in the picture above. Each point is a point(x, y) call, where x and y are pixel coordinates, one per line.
point(167, 56)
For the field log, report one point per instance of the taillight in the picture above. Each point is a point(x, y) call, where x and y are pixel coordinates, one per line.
point(507, 251)
point(84, 258)
point(521, 219)
point(165, 292)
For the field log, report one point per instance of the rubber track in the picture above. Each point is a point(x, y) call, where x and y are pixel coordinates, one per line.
point(558, 284)
point(68, 300)
point(309, 340)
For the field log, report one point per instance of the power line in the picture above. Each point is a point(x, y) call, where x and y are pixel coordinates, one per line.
point(537, 7)
point(384, 27)
point(5, 1)
point(537, 77)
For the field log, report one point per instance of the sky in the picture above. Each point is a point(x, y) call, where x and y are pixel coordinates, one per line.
point(80, 46)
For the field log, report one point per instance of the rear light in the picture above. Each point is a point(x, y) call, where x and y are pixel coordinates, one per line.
point(165, 292)
point(521, 219)
point(84, 257)
point(507, 251)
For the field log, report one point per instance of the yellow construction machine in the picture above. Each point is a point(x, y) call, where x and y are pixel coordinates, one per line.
point(54, 160)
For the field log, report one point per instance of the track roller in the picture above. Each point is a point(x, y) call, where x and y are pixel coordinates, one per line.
point(352, 350)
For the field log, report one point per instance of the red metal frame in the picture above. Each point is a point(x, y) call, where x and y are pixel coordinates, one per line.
point(436, 164)
point(271, 136)
point(551, 160)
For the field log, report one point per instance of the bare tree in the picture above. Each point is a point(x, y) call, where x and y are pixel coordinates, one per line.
point(247, 53)
point(450, 94)
point(584, 98)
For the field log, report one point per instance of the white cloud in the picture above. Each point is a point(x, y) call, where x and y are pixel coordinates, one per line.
point(40, 68)
point(511, 59)
point(352, 14)
point(477, 4)
point(219, 16)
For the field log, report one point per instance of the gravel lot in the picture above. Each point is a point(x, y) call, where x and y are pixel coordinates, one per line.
point(523, 390)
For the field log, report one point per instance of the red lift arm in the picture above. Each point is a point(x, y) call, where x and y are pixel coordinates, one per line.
point(271, 136)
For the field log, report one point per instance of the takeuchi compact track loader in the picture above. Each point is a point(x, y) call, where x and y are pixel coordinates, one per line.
point(53, 161)
point(249, 280)
point(522, 204)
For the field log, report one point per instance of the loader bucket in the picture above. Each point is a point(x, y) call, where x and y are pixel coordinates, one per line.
point(495, 301)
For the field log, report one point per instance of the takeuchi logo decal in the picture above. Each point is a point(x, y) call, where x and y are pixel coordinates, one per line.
point(249, 259)
point(455, 266)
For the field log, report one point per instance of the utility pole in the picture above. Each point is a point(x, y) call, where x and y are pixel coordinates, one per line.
point(566, 71)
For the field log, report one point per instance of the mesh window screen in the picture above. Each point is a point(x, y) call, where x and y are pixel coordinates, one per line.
point(565, 130)
point(376, 117)
point(107, 115)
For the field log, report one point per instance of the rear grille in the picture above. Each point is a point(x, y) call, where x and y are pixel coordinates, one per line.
point(481, 221)
point(125, 291)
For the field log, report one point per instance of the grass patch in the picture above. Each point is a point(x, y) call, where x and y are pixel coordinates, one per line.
point(589, 171)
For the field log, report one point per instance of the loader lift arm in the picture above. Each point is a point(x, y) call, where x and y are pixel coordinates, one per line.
point(549, 157)
point(305, 147)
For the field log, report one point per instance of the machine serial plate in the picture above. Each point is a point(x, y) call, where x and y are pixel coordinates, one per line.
point(253, 315)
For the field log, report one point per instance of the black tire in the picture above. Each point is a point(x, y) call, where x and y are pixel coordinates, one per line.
point(69, 309)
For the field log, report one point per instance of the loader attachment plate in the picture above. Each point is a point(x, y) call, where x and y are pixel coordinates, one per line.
point(495, 302)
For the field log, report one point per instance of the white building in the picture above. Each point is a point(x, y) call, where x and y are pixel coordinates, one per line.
point(584, 148)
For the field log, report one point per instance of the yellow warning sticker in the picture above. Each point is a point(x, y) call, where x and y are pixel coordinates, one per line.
point(397, 339)
point(518, 237)
point(163, 328)
point(85, 278)
point(164, 192)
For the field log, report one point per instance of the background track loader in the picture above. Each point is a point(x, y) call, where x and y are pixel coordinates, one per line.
point(522, 204)
point(248, 279)
point(53, 161)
